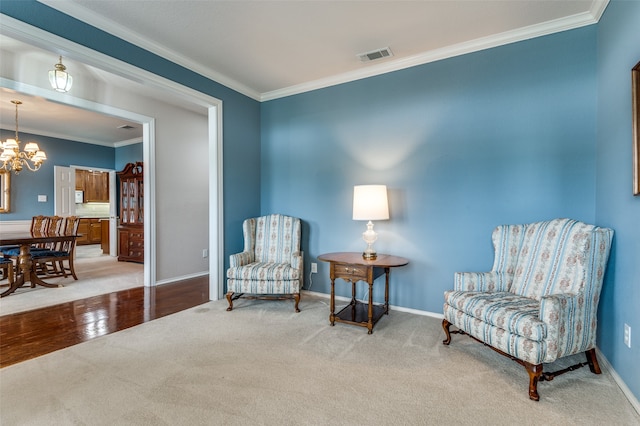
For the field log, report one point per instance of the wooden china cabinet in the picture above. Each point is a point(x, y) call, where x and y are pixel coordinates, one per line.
point(131, 228)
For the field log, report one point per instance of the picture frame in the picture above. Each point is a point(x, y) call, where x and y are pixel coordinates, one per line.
point(635, 111)
point(5, 188)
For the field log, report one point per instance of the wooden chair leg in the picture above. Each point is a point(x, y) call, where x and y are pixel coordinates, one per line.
point(230, 300)
point(445, 326)
point(296, 297)
point(72, 269)
point(535, 371)
point(593, 361)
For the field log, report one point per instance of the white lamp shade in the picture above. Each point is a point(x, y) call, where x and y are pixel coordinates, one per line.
point(370, 202)
point(31, 147)
point(7, 154)
point(40, 156)
point(10, 144)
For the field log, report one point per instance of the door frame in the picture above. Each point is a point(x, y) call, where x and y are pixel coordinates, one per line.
point(47, 41)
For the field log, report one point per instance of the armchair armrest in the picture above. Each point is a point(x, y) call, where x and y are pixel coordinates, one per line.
point(297, 260)
point(482, 281)
point(564, 319)
point(240, 259)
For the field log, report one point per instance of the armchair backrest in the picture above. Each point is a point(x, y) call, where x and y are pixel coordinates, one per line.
point(507, 243)
point(561, 256)
point(273, 238)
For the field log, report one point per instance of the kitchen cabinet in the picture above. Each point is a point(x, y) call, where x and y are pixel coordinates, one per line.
point(131, 229)
point(94, 184)
point(81, 178)
point(96, 188)
point(90, 230)
point(104, 227)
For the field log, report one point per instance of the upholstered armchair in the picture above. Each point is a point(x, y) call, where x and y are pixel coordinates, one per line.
point(271, 263)
point(540, 300)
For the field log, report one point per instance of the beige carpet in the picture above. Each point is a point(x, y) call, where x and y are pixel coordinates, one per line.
point(97, 274)
point(262, 364)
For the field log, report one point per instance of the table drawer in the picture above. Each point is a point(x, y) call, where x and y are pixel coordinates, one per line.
point(351, 272)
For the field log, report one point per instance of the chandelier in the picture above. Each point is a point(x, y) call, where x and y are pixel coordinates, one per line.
point(14, 159)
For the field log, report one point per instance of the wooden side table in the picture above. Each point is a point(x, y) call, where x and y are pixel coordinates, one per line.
point(352, 267)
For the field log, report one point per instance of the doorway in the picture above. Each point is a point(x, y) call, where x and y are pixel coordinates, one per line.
point(49, 42)
point(65, 183)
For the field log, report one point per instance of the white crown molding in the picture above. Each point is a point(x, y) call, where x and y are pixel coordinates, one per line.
point(521, 34)
point(67, 137)
point(77, 11)
point(127, 142)
point(563, 24)
point(597, 8)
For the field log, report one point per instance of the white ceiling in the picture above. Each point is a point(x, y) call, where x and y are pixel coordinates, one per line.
point(40, 116)
point(269, 49)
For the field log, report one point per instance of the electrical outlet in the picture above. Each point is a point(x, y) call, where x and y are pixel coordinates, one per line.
point(627, 335)
point(205, 252)
point(314, 268)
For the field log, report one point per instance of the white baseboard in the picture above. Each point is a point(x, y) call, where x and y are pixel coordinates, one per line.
point(182, 278)
point(603, 361)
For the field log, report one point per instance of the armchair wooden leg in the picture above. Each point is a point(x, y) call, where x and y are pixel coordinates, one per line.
point(296, 297)
point(230, 300)
point(593, 361)
point(445, 326)
point(535, 371)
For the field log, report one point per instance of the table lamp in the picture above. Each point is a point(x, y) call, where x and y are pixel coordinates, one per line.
point(370, 203)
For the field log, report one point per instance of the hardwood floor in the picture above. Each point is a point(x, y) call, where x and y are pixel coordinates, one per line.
point(27, 335)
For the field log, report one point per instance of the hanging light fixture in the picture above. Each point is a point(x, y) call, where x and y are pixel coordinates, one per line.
point(60, 80)
point(14, 159)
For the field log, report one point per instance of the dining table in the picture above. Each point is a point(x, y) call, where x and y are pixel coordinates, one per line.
point(25, 270)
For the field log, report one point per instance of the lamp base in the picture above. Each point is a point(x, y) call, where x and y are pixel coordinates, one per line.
point(369, 256)
point(369, 236)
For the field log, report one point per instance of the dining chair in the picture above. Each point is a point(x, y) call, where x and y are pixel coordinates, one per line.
point(38, 226)
point(51, 262)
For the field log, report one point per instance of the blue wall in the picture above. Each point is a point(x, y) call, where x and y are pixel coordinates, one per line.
point(618, 52)
point(26, 186)
point(506, 135)
point(127, 154)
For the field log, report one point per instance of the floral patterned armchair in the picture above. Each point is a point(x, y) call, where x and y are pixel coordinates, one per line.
point(271, 263)
point(540, 300)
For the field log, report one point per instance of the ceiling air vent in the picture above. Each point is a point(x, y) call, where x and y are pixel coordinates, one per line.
point(126, 127)
point(375, 54)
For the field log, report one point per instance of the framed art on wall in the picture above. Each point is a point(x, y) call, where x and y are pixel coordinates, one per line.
point(635, 111)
